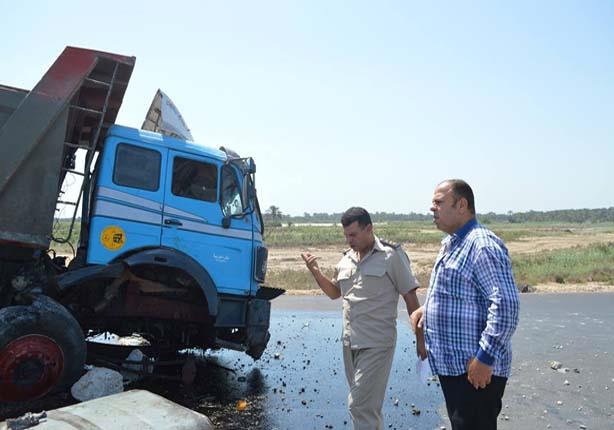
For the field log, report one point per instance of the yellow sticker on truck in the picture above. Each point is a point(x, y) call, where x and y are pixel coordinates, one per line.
point(113, 237)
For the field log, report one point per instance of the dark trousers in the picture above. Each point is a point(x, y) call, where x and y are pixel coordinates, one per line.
point(471, 409)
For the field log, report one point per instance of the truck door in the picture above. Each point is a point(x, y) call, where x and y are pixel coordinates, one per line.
point(192, 221)
point(127, 206)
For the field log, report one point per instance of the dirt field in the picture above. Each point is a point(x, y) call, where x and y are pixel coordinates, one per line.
point(423, 256)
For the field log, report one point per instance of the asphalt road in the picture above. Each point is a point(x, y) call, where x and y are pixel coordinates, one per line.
point(577, 330)
point(299, 383)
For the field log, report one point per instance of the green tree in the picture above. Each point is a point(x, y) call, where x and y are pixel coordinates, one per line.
point(273, 216)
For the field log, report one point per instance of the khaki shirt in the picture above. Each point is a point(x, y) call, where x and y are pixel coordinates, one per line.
point(370, 290)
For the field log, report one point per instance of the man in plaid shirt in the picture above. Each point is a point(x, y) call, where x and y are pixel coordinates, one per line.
point(470, 312)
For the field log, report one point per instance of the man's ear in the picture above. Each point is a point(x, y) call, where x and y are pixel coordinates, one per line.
point(369, 228)
point(463, 204)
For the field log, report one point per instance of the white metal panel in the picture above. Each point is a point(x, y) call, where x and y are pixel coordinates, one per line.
point(135, 409)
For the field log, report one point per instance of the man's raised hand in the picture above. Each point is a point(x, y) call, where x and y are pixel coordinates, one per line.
point(310, 261)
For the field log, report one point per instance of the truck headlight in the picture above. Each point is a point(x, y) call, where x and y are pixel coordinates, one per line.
point(262, 255)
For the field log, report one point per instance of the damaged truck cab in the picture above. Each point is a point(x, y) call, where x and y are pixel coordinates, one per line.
point(170, 239)
point(164, 206)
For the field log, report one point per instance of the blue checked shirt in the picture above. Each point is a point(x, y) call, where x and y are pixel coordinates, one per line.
point(471, 309)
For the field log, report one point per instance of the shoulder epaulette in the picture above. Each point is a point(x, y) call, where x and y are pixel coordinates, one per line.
point(390, 244)
point(395, 246)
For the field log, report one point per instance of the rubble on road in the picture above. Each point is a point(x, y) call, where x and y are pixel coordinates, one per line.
point(97, 382)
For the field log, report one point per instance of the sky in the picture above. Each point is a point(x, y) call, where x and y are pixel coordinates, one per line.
point(363, 103)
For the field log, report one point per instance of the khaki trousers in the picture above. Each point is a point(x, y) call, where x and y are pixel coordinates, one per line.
point(367, 372)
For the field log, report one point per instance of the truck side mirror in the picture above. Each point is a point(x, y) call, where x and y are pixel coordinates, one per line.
point(245, 192)
point(251, 165)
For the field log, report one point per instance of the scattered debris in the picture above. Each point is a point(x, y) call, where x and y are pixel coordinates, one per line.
point(139, 363)
point(26, 421)
point(133, 340)
point(241, 405)
point(555, 365)
point(97, 382)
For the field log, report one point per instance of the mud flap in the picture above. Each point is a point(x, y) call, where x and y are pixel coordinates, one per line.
point(258, 317)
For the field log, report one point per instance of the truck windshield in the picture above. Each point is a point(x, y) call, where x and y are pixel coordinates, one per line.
point(231, 192)
point(234, 175)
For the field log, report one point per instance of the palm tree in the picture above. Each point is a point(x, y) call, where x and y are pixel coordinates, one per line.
point(273, 216)
point(274, 212)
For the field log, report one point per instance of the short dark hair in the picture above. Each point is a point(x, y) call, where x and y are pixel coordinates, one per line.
point(461, 189)
point(356, 214)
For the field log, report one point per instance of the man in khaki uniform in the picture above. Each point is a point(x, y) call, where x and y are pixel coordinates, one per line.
point(370, 277)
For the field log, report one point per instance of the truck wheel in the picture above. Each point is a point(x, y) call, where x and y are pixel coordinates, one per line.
point(42, 349)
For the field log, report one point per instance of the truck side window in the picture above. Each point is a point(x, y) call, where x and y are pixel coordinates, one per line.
point(137, 167)
point(194, 179)
point(231, 192)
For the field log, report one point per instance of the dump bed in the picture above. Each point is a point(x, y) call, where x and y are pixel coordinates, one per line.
point(71, 107)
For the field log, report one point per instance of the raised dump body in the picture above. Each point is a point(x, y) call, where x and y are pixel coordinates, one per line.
point(71, 107)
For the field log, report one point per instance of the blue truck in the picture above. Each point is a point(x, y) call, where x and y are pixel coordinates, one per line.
point(170, 235)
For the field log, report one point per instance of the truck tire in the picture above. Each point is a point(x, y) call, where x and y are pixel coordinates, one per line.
point(42, 349)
